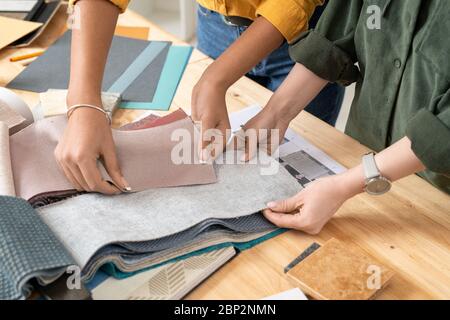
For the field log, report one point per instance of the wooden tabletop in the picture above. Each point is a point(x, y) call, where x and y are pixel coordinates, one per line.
point(407, 229)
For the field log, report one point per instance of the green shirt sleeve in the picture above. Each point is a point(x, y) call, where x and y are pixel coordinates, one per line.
point(329, 49)
point(429, 133)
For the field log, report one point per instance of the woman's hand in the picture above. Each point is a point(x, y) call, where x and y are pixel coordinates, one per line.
point(313, 207)
point(274, 126)
point(209, 108)
point(88, 137)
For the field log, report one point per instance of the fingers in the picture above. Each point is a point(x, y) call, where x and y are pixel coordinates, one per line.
point(282, 220)
point(68, 167)
point(213, 140)
point(93, 178)
point(113, 169)
point(287, 205)
point(78, 186)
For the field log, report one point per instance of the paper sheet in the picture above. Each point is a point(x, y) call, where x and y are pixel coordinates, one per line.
point(6, 177)
point(144, 157)
point(140, 33)
point(300, 157)
point(172, 281)
point(293, 294)
point(14, 29)
point(51, 70)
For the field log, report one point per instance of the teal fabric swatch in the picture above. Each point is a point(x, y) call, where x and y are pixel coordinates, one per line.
point(173, 70)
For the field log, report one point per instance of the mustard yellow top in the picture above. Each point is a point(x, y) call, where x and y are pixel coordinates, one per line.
point(290, 17)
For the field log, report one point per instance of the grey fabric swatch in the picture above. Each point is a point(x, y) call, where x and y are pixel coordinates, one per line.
point(28, 249)
point(136, 253)
point(241, 190)
point(137, 262)
point(51, 70)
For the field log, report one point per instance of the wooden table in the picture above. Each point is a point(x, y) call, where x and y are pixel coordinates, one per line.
point(408, 229)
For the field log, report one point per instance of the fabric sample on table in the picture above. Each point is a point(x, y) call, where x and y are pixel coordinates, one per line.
point(144, 157)
point(137, 255)
point(122, 269)
point(28, 249)
point(51, 70)
point(169, 282)
point(53, 103)
point(155, 213)
point(153, 120)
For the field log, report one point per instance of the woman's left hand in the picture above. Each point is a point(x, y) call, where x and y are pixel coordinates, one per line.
point(311, 208)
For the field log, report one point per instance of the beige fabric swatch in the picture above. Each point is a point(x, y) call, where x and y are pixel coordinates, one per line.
point(6, 178)
point(144, 157)
point(53, 102)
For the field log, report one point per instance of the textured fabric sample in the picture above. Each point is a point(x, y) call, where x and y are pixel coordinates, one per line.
point(28, 249)
point(134, 256)
point(169, 282)
point(144, 157)
point(241, 190)
point(53, 103)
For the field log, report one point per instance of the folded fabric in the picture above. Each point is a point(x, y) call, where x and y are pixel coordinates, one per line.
point(144, 157)
point(153, 120)
point(169, 282)
point(241, 190)
point(28, 250)
point(132, 257)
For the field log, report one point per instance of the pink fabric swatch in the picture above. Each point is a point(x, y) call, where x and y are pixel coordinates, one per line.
point(144, 157)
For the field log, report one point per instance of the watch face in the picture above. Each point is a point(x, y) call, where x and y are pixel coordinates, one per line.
point(378, 186)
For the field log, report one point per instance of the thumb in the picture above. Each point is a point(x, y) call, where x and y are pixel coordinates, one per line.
point(285, 206)
point(113, 169)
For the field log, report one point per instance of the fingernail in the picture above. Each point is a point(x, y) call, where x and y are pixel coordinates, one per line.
point(126, 185)
point(271, 204)
point(244, 158)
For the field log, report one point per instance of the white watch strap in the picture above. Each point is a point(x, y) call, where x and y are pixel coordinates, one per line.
point(370, 167)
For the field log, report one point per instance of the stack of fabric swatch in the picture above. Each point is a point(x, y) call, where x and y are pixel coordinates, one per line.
point(176, 211)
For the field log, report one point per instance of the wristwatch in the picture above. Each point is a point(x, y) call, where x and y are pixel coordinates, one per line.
point(376, 184)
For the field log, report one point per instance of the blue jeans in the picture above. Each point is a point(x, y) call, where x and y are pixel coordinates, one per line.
point(215, 36)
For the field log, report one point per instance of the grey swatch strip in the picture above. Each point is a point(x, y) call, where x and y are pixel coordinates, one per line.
point(135, 69)
point(134, 252)
point(28, 248)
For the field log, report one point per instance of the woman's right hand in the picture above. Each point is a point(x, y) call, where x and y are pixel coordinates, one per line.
point(209, 108)
point(86, 139)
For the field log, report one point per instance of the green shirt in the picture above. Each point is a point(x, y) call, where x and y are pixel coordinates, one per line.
point(401, 70)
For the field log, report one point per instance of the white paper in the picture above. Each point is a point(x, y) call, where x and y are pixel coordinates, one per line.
point(309, 162)
point(293, 294)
